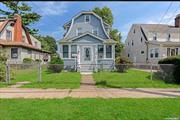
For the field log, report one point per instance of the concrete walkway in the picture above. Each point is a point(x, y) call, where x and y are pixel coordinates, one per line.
point(89, 90)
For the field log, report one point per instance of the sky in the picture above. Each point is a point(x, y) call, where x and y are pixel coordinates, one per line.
point(56, 14)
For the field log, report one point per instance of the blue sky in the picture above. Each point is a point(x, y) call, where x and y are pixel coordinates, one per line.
point(55, 14)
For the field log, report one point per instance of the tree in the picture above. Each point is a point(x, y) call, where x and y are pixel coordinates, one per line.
point(48, 43)
point(106, 14)
point(28, 17)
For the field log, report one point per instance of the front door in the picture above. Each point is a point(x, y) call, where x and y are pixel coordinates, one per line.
point(86, 58)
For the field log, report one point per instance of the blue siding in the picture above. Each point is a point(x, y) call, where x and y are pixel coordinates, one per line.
point(87, 27)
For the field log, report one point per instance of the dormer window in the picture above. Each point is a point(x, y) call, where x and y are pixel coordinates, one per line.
point(8, 35)
point(78, 31)
point(154, 37)
point(87, 18)
point(23, 38)
point(95, 31)
point(169, 37)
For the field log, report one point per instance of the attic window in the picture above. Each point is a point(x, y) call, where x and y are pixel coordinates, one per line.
point(87, 18)
point(8, 35)
point(141, 39)
point(169, 37)
point(134, 31)
point(95, 31)
point(78, 31)
point(154, 37)
point(23, 38)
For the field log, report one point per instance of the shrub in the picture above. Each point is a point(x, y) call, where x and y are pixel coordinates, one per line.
point(122, 64)
point(56, 64)
point(38, 60)
point(3, 60)
point(176, 62)
point(27, 60)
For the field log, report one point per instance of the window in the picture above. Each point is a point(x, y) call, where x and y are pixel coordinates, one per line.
point(142, 52)
point(35, 43)
point(154, 37)
point(78, 31)
point(128, 55)
point(87, 18)
point(14, 52)
point(95, 31)
point(23, 38)
point(169, 37)
point(29, 51)
point(151, 53)
point(108, 51)
point(141, 39)
point(8, 35)
point(128, 43)
point(65, 51)
point(156, 50)
point(177, 51)
point(168, 51)
point(73, 50)
point(154, 53)
point(134, 31)
point(100, 51)
point(132, 43)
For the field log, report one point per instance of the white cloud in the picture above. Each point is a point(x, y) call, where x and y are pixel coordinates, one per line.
point(50, 8)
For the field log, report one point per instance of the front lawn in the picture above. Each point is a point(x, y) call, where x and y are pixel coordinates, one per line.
point(49, 80)
point(130, 79)
point(89, 109)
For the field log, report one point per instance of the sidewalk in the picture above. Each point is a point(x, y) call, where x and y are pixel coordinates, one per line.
point(89, 90)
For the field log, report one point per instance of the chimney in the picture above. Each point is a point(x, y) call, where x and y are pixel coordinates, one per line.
point(17, 28)
point(177, 21)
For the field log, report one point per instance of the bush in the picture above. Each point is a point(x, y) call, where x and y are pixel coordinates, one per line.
point(3, 60)
point(122, 64)
point(38, 60)
point(176, 62)
point(27, 60)
point(56, 64)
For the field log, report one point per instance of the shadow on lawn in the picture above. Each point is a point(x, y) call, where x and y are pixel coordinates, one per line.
point(105, 84)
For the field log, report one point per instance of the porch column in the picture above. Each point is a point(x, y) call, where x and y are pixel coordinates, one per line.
point(69, 46)
point(113, 51)
point(104, 51)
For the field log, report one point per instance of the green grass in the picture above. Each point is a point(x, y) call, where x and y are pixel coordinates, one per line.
point(130, 79)
point(49, 80)
point(89, 109)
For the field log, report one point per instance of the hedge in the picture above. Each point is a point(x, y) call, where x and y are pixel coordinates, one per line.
point(175, 61)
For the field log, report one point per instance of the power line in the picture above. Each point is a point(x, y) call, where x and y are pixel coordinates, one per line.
point(163, 15)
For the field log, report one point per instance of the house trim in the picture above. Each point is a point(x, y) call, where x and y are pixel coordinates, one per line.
point(72, 22)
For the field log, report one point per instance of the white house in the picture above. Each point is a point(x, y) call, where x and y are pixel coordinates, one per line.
point(148, 43)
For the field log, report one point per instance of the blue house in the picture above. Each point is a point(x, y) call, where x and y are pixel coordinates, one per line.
point(86, 44)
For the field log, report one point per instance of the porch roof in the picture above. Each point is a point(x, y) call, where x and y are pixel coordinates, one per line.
point(165, 44)
point(106, 41)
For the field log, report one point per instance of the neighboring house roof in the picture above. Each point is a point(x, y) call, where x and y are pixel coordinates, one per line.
point(157, 28)
point(86, 12)
point(19, 44)
point(84, 34)
point(18, 29)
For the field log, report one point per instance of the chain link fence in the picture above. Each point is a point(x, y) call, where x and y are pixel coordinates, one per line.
point(11, 73)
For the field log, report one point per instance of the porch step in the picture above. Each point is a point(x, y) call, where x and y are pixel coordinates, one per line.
point(86, 73)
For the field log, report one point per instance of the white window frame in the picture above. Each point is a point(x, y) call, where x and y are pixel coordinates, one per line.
point(155, 36)
point(10, 34)
point(111, 52)
point(85, 16)
point(141, 52)
point(154, 53)
point(96, 30)
point(77, 31)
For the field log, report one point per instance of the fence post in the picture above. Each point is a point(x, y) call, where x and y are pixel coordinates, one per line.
point(7, 74)
point(39, 72)
point(151, 72)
